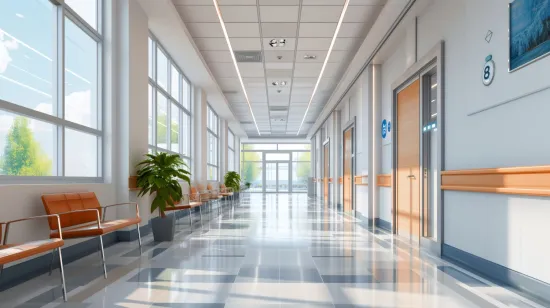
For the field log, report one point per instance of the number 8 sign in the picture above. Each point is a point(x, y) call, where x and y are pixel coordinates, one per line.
point(488, 72)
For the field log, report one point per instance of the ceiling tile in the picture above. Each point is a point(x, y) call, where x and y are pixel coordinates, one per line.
point(314, 43)
point(240, 13)
point(317, 29)
point(279, 2)
point(279, 13)
point(276, 30)
point(238, 29)
point(324, 2)
point(320, 13)
point(251, 69)
point(198, 13)
point(220, 2)
point(304, 82)
point(254, 82)
point(273, 55)
point(205, 29)
point(279, 65)
point(279, 74)
point(245, 43)
point(229, 84)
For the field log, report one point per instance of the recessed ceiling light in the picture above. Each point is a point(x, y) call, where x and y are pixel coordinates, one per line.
point(325, 62)
point(222, 24)
point(277, 43)
point(310, 57)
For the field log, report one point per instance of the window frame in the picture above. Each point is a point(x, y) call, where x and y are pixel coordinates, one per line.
point(179, 103)
point(215, 135)
point(64, 11)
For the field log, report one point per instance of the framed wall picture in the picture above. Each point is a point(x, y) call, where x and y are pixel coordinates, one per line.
point(529, 32)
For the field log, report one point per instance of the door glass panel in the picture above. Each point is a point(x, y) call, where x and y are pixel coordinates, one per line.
point(271, 177)
point(277, 156)
point(430, 172)
point(283, 182)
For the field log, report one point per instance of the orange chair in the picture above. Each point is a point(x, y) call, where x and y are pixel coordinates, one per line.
point(193, 201)
point(227, 192)
point(81, 216)
point(14, 252)
point(215, 195)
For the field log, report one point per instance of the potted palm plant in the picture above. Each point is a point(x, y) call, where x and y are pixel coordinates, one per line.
point(160, 174)
point(233, 180)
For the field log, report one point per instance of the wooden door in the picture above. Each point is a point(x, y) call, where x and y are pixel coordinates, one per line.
point(326, 173)
point(408, 161)
point(348, 174)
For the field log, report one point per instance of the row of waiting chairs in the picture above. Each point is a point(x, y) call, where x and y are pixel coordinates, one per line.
point(80, 215)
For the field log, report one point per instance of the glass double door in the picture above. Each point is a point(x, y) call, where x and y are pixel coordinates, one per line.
point(277, 173)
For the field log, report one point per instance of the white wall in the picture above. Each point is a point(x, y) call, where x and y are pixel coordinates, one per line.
point(507, 230)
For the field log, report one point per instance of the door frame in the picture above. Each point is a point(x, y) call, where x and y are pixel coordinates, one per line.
point(433, 59)
point(276, 162)
point(350, 125)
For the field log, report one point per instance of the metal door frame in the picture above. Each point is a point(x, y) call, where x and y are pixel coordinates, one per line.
point(432, 59)
point(276, 162)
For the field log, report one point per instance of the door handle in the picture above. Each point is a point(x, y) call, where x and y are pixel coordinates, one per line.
point(412, 177)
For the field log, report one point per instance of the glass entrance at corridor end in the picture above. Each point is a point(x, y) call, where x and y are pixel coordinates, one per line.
point(276, 168)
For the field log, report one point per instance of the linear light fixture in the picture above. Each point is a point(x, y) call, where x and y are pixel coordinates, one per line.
point(222, 23)
point(326, 61)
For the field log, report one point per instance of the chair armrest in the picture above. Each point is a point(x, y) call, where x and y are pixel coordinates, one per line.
point(30, 218)
point(119, 204)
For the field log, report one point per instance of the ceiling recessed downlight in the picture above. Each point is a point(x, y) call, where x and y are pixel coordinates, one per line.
point(310, 57)
point(222, 24)
point(279, 83)
point(325, 62)
point(277, 43)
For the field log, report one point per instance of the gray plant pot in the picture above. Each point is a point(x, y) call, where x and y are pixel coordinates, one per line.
point(164, 228)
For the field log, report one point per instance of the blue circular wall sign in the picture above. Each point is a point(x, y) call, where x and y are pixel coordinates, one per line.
point(384, 128)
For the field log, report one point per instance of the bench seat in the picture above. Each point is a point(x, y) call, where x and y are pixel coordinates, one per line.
point(91, 229)
point(14, 252)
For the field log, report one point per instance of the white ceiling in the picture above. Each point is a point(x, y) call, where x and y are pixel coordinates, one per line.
point(307, 26)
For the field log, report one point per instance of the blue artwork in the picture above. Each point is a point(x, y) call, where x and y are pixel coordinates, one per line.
point(529, 31)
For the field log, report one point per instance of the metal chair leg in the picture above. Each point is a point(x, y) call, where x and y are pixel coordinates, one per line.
point(103, 256)
point(190, 219)
point(1, 270)
point(51, 262)
point(200, 212)
point(62, 271)
point(139, 239)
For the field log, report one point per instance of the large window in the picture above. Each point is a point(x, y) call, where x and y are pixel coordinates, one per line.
point(213, 141)
point(169, 105)
point(230, 151)
point(50, 94)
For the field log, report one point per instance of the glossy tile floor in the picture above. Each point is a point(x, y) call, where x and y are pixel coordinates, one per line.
point(273, 250)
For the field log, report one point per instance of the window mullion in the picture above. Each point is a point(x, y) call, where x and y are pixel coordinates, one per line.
point(60, 91)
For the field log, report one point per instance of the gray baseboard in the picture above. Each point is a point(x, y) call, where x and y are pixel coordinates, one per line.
point(382, 224)
point(497, 273)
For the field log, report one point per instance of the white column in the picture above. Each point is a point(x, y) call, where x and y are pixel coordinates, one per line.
point(223, 149)
point(200, 147)
point(336, 158)
point(375, 141)
point(131, 106)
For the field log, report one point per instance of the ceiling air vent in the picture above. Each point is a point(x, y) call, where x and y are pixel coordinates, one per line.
point(278, 108)
point(248, 56)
